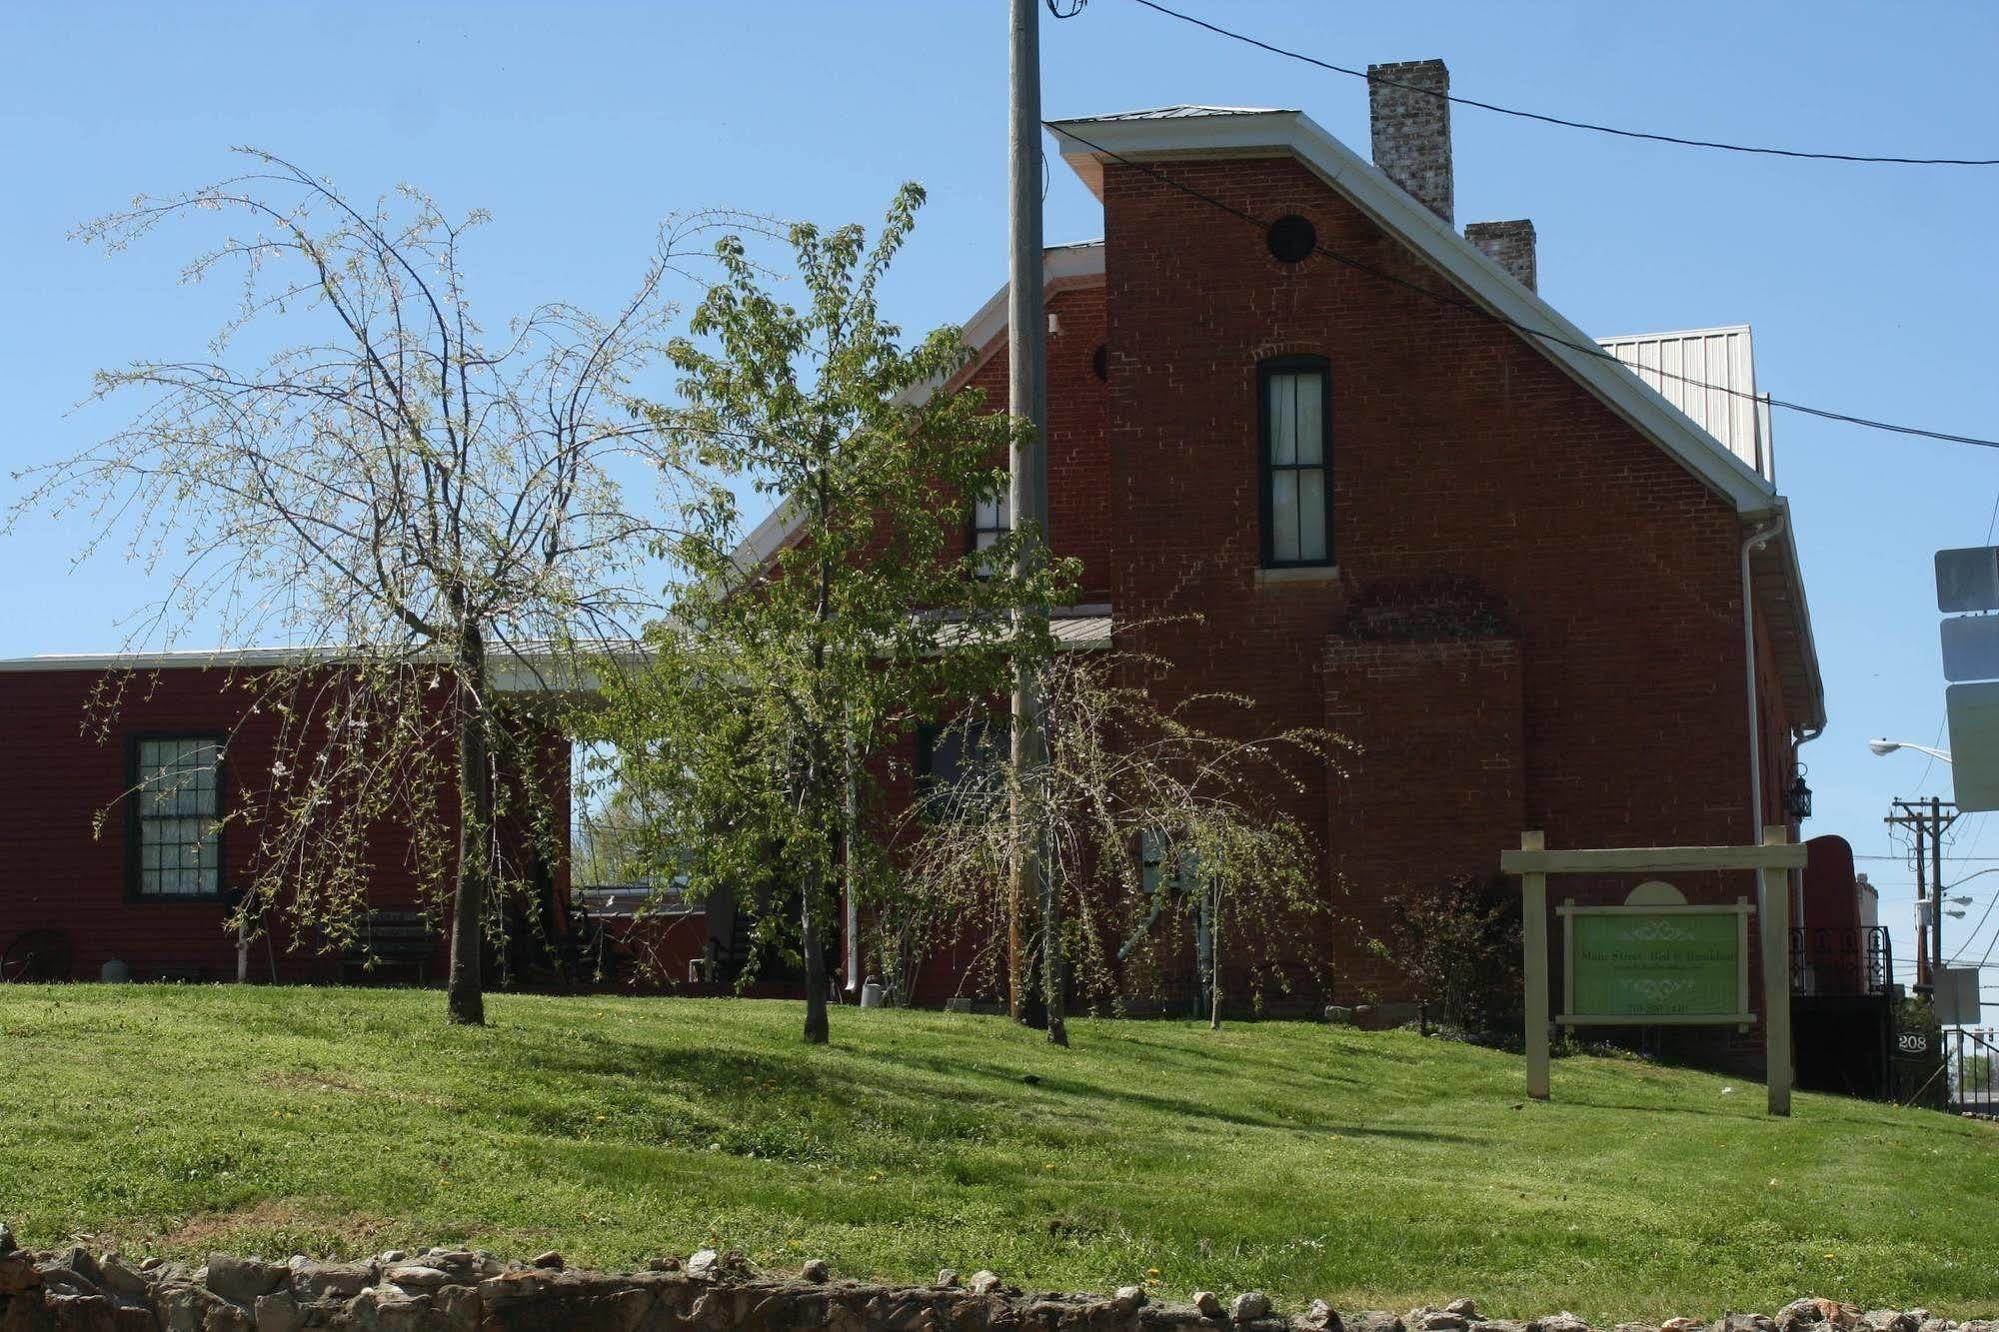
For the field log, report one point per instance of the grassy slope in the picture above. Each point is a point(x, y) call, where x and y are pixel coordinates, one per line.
point(1373, 1170)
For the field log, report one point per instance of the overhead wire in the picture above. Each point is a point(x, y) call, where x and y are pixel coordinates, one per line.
point(1545, 335)
point(1564, 121)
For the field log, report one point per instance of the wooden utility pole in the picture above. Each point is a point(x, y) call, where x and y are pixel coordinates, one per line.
point(1027, 504)
point(1927, 820)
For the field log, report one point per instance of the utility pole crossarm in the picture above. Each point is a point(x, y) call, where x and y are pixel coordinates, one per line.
point(1927, 819)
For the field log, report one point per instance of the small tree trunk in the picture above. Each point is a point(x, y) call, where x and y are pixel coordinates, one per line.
point(1029, 969)
point(465, 991)
point(1054, 970)
point(1023, 989)
point(1214, 964)
point(816, 1025)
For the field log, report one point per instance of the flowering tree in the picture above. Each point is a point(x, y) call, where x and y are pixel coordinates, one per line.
point(434, 505)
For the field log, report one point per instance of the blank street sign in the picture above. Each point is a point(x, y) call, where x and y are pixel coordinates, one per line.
point(1956, 997)
point(1971, 648)
point(1968, 579)
point(1974, 744)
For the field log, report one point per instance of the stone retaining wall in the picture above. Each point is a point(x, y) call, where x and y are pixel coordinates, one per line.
point(458, 1290)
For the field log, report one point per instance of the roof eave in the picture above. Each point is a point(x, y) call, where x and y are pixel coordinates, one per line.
point(1780, 579)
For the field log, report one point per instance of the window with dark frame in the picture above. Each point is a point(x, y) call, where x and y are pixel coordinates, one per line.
point(953, 761)
point(1162, 868)
point(1295, 424)
point(990, 522)
point(177, 795)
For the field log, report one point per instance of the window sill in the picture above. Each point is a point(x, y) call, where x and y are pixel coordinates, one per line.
point(1306, 573)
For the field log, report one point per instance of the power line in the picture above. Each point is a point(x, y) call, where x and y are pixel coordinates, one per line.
point(1545, 119)
point(1986, 957)
point(1461, 303)
point(1971, 937)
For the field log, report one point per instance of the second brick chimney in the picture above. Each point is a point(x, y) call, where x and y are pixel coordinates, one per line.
point(1411, 120)
point(1509, 244)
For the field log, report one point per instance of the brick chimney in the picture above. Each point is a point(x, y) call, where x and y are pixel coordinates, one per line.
point(1411, 121)
point(1508, 244)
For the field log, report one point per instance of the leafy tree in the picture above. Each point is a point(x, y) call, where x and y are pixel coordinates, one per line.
point(1162, 830)
point(437, 505)
point(770, 685)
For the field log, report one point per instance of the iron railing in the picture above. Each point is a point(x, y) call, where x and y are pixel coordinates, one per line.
point(1971, 1065)
point(1841, 961)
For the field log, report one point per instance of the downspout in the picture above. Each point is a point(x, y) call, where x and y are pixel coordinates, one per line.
point(1754, 541)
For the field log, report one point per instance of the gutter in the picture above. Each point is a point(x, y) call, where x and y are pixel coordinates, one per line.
point(1754, 541)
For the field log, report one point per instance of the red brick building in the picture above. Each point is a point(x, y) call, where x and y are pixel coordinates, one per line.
point(108, 819)
point(1408, 499)
point(1533, 585)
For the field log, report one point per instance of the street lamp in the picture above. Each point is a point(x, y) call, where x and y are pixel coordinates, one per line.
point(1884, 747)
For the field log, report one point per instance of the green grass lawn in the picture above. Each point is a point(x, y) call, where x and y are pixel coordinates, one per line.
point(1375, 1170)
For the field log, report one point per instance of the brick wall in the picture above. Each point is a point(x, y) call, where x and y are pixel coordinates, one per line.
point(1457, 451)
point(64, 875)
point(1432, 785)
point(1078, 457)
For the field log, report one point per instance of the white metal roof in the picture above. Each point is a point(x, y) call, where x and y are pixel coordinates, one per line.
point(1188, 110)
point(1709, 374)
point(529, 670)
point(1084, 628)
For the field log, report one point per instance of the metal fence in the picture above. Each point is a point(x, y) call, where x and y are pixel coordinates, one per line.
point(1971, 1067)
point(1841, 961)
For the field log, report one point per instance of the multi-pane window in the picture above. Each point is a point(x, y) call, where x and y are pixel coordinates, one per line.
point(990, 522)
point(958, 765)
point(178, 793)
point(1297, 461)
point(1161, 869)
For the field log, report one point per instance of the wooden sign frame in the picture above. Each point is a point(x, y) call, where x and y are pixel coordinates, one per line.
point(1533, 863)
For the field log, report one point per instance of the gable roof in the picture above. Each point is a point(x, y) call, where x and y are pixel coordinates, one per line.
point(1196, 131)
point(1167, 133)
point(1244, 132)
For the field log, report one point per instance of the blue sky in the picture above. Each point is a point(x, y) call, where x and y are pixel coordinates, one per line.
point(581, 125)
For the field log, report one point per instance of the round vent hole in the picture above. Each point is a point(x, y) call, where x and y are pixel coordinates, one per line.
point(1291, 238)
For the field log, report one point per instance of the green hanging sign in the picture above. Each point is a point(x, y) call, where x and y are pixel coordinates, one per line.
point(1656, 960)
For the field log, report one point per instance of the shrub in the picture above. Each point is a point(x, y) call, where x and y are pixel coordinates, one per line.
point(1460, 943)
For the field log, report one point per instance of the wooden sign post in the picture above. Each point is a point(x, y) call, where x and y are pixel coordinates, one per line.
point(1656, 960)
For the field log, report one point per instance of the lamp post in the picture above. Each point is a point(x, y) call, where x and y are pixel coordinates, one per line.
point(1881, 747)
point(1925, 818)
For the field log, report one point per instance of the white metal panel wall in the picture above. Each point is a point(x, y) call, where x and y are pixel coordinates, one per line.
point(1710, 374)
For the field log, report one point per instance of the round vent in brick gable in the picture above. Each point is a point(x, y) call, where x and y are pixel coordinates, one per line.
point(1291, 238)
